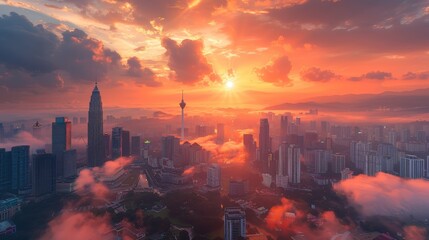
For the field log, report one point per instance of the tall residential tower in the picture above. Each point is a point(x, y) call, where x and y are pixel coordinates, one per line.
point(96, 152)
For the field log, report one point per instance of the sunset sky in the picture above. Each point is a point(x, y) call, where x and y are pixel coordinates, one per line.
point(223, 53)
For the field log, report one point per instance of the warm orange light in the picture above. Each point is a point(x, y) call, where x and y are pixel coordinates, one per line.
point(229, 84)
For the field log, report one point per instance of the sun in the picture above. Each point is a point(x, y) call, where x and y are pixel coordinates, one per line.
point(229, 84)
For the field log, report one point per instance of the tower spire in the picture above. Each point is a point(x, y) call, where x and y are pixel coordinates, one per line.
point(182, 105)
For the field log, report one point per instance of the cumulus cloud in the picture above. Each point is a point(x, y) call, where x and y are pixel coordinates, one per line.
point(276, 72)
point(88, 179)
point(386, 195)
point(290, 217)
point(315, 74)
point(34, 60)
point(416, 75)
point(231, 151)
point(188, 62)
point(142, 75)
point(85, 226)
point(374, 75)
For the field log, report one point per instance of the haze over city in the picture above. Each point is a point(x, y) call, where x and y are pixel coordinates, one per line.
point(214, 119)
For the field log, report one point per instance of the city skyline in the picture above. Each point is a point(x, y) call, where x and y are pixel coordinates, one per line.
point(311, 56)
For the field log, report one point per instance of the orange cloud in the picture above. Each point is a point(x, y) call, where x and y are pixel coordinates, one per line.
point(386, 195)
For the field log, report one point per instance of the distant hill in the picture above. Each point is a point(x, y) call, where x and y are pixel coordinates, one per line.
point(415, 101)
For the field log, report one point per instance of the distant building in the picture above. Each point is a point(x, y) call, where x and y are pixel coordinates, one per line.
point(321, 161)
point(37, 130)
point(358, 152)
point(136, 146)
point(5, 170)
point(44, 176)
point(69, 163)
point(213, 175)
point(116, 142)
point(249, 147)
point(238, 188)
point(234, 223)
point(372, 164)
point(61, 142)
point(294, 164)
point(388, 156)
point(283, 128)
point(220, 133)
point(20, 173)
point(126, 144)
point(170, 148)
point(264, 144)
point(282, 166)
point(107, 146)
point(2, 133)
point(412, 167)
point(338, 162)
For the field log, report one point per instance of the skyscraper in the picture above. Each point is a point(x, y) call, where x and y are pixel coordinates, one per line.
point(43, 173)
point(116, 142)
point(5, 170)
point(249, 147)
point(107, 145)
point(136, 145)
point(372, 163)
point(264, 144)
point(283, 128)
point(321, 161)
point(213, 175)
point(170, 148)
point(182, 105)
point(96, 154)
point(338, 163)
point(126, 145)
point(294, 164)
point(282, 178)
point(20, 174)
point(412, 167)
point(220, 130)
point(61, 142)
point(234, 223)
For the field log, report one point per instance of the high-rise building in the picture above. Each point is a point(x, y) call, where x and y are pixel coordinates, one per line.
point(170, 148)
point(2, 135)
point(358, 152)
point(282, 166)
point(388, 155)
point(96, 152)
point(107, 146)
point(249, 147)
point(412, 167)
point(220, 133)
point(321, 161)
point(44, 176)
point(61, 142)
point(116, 142)
point(182, 105)
point(213, 175)
point(264, 144)
point(69, 163)
point(372, 163)
point(5, 170)
point(126, 145)
point(136, 146)
point(234, 223)
point(338, 162)
point(294, 164)
point(20, 171)
point(283, 128)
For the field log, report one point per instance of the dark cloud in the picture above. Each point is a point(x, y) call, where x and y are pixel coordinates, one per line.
point(24, 46)
point(187, 61)
point(375, 75)
point(276, 72)
point(85, 58)
point(315, 74)
point(416, 76)
point(142, 75)
point(358, 27)
point(149, 13)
